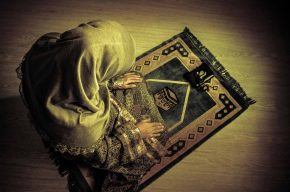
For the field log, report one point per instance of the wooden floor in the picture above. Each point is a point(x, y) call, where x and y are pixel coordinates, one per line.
point(248, 37)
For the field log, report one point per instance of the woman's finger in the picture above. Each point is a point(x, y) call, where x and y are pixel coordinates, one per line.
point(155, 134)
point(130, 73)
point(132, 78)
point(133, 81)
point(157, 130)
point(156, 124)
point(128, 86)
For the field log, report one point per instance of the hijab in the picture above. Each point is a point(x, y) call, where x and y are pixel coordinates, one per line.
point(65, 80)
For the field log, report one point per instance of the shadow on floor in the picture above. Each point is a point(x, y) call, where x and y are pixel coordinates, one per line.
point(24, 163)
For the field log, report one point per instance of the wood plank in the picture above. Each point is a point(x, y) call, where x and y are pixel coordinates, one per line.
point(248, 37)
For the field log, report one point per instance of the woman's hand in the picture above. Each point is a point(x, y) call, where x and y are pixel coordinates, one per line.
point(126, 81)
point(150, 129)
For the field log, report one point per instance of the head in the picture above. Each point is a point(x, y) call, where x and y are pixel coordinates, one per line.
point(65, 83)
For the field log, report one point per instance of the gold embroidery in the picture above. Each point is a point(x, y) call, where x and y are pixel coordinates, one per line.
point(129, 148)
point(141, 148)
point(62, 148)
point(123, 112)
point(150, 156)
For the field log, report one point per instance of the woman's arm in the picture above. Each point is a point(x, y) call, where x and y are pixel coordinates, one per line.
point(122, 147)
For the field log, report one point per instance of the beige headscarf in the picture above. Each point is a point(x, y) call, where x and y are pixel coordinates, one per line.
point(65, 80)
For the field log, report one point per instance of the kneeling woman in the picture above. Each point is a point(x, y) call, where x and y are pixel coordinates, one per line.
point(89, 108)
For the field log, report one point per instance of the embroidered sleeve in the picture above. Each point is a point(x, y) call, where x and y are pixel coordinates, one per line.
point(132, 142)
point(122, 147)
point(115, 83)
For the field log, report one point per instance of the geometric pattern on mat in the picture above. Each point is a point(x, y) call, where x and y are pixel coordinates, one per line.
point(194, 93)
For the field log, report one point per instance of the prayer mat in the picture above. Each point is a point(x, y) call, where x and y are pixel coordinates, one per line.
point(194, 93)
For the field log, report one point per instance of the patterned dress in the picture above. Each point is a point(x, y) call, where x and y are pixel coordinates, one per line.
point(122, 157)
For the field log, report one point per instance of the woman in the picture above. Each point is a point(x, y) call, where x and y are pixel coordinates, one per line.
point(89, 107)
